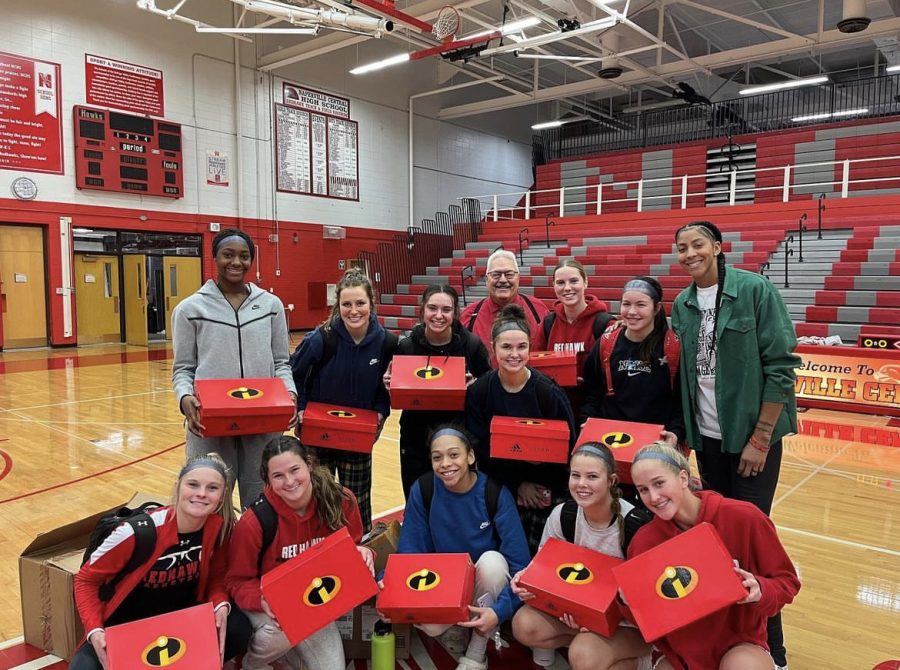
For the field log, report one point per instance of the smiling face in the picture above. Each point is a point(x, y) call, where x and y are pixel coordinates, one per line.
point(511, 350)
point(355, 309)
point(590, 482)
point(233, 261)
point(452, 462)
point(662, 490)
point(437, 315)
point(638, 312)
point(289, 477)
point(200, 493)
point(697, 255)
point(502, 279)
point(569, 285)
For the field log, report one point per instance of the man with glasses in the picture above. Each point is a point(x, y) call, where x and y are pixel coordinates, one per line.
point(502, 277)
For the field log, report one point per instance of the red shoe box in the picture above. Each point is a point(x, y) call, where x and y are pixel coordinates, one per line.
point(521, 439)
point(243, 406)
point(624, 438)
point(679, 581)
point(568, 579)
point(427, 588)
point(560, 366)
point(428, 382)
point(182, 640)
point(336, 427)
point(317, 587)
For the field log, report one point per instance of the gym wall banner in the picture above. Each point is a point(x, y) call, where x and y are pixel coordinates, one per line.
point(850, 378)
point(121, 85)
point(30, 115)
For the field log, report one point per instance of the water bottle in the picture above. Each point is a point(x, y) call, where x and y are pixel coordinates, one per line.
point(383, 647)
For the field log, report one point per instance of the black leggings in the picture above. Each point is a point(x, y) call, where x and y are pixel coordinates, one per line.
point(719, 472)
point(237, 637)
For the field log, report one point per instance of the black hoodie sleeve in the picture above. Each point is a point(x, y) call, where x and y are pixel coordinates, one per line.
point(594, 385)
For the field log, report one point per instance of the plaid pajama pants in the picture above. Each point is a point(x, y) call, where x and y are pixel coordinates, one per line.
point(354, 470)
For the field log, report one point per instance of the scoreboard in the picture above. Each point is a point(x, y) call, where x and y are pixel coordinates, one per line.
point(127, 153)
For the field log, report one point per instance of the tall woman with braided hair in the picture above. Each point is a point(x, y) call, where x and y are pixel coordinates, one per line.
point(229, 329)
point(737, 376)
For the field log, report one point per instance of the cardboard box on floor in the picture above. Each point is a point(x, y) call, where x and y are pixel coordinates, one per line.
point(356, 626)
point(47, 570)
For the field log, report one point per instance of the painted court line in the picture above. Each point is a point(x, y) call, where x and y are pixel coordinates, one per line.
point(836, 540)
point(84, 400)
point(812, 474)
point(38, 663)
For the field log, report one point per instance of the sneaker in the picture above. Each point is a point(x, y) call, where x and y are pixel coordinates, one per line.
point(543, 657)
point(466, 663)
point(455, 639)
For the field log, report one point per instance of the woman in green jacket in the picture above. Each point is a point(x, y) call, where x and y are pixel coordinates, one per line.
point(737, 375)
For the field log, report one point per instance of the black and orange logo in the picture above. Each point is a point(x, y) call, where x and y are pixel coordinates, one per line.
point(542, 354)
point(530, 422)
point(423, 580)
point(245, 393)
point(428, 373)
point(341, 414)
point(617, 440)
point(676, 582)
point(322, 590)
point(575, 573)
point(163, 651)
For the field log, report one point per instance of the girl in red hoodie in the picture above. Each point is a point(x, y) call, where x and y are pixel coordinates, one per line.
point(576, 321)
point(187, 566)
point(734, 638)
point(309, 505)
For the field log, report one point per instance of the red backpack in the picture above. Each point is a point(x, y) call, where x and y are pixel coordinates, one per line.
point(671, 350)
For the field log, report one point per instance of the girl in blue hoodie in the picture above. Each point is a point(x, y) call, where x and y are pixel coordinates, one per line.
point(342, 362)
point(458, 519)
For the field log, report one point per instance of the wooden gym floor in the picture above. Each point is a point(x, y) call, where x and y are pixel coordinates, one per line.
point(82, 429)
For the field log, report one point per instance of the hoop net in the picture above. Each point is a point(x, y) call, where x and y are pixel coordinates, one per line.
point(446, 24)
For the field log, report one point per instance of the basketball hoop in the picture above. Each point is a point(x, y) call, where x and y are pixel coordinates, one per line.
point(446, 25)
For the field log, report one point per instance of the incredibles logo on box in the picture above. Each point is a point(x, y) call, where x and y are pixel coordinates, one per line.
point(542, 354)
point(676, 582)
point(341, 414)
point(163, 651)
point(245, 393)
point(530, 422)
point(322, 590)
point(617, 440)
point(428, 373)
point(423, 580)
point(575, 573)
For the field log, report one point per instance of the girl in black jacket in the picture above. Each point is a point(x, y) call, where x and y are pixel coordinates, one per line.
point(439, 333)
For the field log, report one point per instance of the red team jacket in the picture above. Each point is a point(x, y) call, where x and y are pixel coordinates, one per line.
point(295, 535)
point(577, 337)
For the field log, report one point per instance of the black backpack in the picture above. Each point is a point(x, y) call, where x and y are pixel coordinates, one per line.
point(636, 518)
point(268, 522)
point(144, 541)
point(491, 498)
point(601, 320)
point(329, 347)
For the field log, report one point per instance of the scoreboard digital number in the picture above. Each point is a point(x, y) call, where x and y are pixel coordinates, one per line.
point(127, 153)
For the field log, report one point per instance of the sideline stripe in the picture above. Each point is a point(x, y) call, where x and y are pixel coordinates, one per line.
point(12, 642)
point(91, 476)
point(39, 663)
point(837, 540)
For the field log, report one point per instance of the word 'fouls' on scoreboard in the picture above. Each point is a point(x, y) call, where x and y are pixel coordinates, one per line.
point(127, 153)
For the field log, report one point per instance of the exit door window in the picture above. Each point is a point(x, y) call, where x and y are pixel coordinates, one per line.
point(173, 280)
point(107, 280)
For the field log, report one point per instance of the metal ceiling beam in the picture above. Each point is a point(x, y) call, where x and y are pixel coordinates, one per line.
point(760, 52)
point(739, 19)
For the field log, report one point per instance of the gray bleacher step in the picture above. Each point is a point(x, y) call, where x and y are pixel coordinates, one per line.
point(862, 315)
point(796, 281)
point(848, 332)
point(876, 284)
point(882, 255)
point(796, 294)
point(797, 311)
point(890, 242)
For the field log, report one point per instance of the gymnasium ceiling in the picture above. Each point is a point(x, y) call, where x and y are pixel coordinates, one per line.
point(716, 46)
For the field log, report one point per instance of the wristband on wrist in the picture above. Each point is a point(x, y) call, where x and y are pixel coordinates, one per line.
point(759, 446)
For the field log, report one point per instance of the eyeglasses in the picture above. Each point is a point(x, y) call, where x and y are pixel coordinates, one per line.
point(496, 275)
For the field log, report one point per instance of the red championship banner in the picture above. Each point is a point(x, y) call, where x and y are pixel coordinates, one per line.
point(121, 85)
point(850, 378)
point(30, 115)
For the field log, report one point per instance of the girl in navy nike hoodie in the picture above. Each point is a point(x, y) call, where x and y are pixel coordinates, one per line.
point(309, 505)
point(342, 362)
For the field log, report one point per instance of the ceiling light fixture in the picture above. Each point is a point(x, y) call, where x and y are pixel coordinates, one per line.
point(830, 115)
point(892, 68)
point(380, 64)
point(560, 122)
point(792, 83)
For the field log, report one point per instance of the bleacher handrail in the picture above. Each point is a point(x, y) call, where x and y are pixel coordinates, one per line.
point(495, 205)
